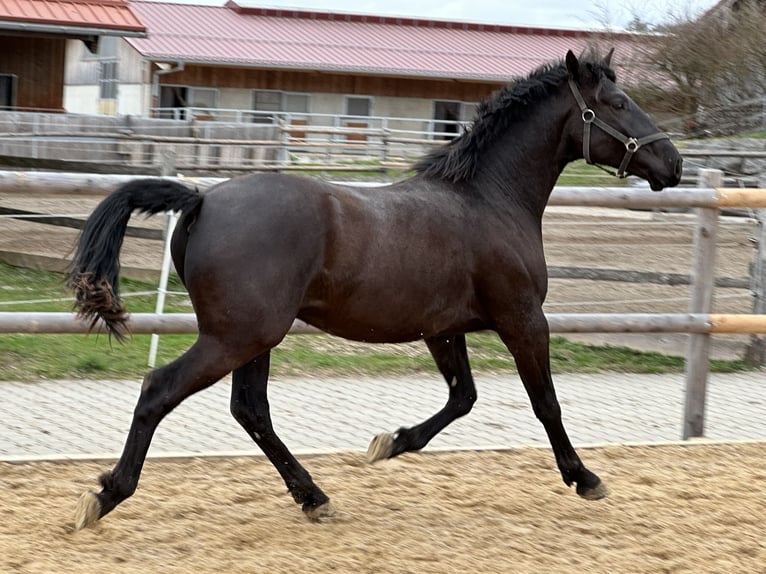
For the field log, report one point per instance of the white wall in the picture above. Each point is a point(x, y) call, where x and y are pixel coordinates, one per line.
point(81, 99)
point(132, 100)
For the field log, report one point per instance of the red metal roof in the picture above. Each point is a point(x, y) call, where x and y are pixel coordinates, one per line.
point(353, 43)
point(60, 15)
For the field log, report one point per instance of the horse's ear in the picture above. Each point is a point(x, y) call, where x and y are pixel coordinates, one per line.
point(573, 64)
point(608, 58)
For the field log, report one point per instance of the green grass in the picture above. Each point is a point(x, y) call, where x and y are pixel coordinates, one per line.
point(753, 135)
point(576, 173)
point(35, 357)
point(580, 173)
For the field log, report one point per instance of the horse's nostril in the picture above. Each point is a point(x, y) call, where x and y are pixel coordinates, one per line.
point(679, 167)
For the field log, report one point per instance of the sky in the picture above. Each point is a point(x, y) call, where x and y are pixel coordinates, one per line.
point(614, 14)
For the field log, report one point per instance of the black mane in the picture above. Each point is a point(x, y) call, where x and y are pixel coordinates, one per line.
point(457, 160)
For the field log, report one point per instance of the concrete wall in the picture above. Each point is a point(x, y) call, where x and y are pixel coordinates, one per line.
point(93, 138)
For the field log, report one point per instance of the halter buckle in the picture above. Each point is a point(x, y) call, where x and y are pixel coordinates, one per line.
point(588, 116)
point(632, 145)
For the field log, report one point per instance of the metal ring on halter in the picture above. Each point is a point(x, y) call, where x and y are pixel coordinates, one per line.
point(588, 116)
point(632, 145)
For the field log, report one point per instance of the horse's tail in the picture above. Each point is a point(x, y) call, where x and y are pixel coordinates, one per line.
point(95, 268)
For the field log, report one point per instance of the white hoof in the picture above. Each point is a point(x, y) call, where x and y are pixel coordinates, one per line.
point(326, 510)
point(380, 447)
point(597, 493)
point(88, 510)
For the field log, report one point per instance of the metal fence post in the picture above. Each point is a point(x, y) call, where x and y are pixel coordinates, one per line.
point(703, 276)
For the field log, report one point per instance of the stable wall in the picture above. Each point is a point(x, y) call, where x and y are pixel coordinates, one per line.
point(38, 64)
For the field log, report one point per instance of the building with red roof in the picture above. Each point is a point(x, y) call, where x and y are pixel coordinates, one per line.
point(202, 60)
point(33, 39)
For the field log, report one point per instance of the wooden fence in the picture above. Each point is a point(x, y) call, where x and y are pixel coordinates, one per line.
point(309, 142)
point(708, 200)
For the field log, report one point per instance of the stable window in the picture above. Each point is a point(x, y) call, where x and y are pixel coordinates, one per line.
point(358, 106)
point(279, 102)
point(108, 80)
point(203, 97)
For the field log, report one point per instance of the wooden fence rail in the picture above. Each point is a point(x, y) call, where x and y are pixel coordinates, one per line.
point(42, 183)
point(186, 323)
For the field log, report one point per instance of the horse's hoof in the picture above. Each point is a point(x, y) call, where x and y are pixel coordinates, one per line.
point(88, 510)
point(380, 447)
point(596, 493)
point(326, 510)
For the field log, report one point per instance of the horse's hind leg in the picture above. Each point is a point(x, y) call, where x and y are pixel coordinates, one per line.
point(250, 407)
point(163, 389)
point(451, 357)
point(529, 341)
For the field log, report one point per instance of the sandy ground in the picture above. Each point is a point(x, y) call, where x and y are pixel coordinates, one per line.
point(696, 508)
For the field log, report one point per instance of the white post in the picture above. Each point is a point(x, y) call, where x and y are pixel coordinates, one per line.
point(162, 289)
point(168, 169)
point(703, 277)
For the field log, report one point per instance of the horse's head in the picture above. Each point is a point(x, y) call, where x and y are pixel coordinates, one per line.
point(612, 130)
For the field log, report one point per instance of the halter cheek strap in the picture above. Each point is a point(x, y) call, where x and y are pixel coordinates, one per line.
point(632, 145)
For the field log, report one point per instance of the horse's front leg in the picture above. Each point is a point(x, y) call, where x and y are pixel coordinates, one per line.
point(451, 358)
point(250, 407)
point(528, 340)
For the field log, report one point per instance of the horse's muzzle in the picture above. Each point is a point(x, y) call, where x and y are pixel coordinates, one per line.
point(672, 177)
point(679, 169)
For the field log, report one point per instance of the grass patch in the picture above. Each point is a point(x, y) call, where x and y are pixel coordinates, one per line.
point(580, 173)
point(35, 357)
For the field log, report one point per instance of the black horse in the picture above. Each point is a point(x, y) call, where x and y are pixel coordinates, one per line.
point(455, 248)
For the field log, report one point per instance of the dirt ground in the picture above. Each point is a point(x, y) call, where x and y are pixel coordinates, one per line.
point(679, 509)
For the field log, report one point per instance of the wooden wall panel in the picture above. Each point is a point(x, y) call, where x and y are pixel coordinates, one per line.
point(38, 64)
point(296, 81)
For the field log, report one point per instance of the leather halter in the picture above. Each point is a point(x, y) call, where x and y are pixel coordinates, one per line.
point(632, 145)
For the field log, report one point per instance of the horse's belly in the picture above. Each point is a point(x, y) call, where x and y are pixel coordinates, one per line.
point(384, 321)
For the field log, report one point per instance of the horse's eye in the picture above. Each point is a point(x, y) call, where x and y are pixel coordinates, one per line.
point(619, 104)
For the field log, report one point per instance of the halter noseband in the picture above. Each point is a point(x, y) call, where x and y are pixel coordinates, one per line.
point(632, 145)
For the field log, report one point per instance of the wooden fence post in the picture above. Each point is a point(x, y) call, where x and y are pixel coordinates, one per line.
point(703, 276)
point(755, 354)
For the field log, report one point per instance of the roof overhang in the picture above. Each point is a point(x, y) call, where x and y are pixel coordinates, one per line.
point(27, 28)
point(345, 70)
point(80, 19)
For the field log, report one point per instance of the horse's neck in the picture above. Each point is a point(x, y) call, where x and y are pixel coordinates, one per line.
point(523, 166)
